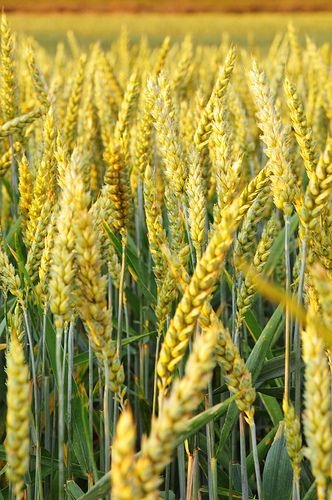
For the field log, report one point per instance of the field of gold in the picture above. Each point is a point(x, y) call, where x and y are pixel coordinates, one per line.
point(248, 29)
point(166, 269)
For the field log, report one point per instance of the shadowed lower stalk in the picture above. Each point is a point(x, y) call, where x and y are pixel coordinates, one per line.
point(182, 471)
point(59, 334)
point(69, 393)
point(126, 315)
point(91, 394)
point(167, 481)
point(107, 418)
point(212, 470)
point(233, 435)
point(45, 387)
point(196, 481)
point(47, 425)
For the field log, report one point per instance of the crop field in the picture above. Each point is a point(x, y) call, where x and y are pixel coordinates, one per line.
point(165, 258)
point(205, 28)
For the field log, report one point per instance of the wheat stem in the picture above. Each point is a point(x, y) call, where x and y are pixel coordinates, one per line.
point(252, 427)
point(243, 458)
point(287, 313)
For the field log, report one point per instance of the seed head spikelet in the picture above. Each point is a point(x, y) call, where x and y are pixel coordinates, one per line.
point(38, 79)
point(275, 139)
point(293, 437)
point(9, 97)
point(166, 124)
point(203, 129)
point(300, 126)
point(18, 411)
point(200, 288)
point(124, 485)
point(71, 119)
point(161, 56)
point(91, 299)
point(6, 158)
point(318, 191)
point(196, 202)
point(247, 290)
point(62, 276)
point(246, 238)
point(127, 107)
point(45, 185)
point(25, 187)
point(18, 124)
point(116, 185)
point(317, 413)
point(185, 396)
point(9, 281)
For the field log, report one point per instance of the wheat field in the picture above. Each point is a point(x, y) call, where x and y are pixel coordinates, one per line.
point(166, 269)
point(248, 29)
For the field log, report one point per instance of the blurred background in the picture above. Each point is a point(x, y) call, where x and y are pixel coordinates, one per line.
point(245, 21)
point(169, 5)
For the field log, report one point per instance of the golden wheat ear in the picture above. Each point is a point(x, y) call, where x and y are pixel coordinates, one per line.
point(18, 410)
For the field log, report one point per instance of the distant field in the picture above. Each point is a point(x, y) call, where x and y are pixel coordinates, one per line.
point(205, 27)
point(168, 5)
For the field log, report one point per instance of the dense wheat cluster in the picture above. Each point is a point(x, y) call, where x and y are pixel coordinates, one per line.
point(166, 269)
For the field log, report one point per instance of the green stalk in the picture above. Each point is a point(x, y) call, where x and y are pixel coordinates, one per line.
point(101, 425)
point(191, 246)
point(244, 476)
point(296, 489)
point(297, 337)
point(121, 290)
point(155, 376)
point(214, 475)
point(128, 348)
point(44, 340)
point(120, 317)
point(47, 416)
point(287, 309)
point(252, 427)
